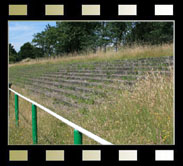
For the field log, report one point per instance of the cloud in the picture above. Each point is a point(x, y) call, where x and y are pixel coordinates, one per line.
point(20, 28)
point(21, 32)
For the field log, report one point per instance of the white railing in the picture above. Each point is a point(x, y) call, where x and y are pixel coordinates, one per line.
point(69, 123)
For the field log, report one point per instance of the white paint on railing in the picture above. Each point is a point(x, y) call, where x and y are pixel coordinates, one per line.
point(71, 124)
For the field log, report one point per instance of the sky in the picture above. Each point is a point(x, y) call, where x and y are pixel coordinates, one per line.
point(21, 32)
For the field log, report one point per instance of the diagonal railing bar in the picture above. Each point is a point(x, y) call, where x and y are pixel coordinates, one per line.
point(69, 123)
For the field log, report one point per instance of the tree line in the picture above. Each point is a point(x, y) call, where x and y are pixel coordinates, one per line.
point(85, 37)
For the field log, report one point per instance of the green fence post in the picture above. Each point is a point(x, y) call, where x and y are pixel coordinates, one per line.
point(16, 110)
point(77, 137)
point(34, 124)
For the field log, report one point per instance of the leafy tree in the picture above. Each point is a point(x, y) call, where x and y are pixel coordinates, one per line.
point(38, 52)
point(151, 33)
point(118, 31)
point(39, 41)
point(12, 54)
point(50, 40)
point(75, 36)
point(103, 35)
point(70, 37)
point(27, 51)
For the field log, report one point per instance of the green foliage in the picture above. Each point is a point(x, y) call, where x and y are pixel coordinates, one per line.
point(71, 37)
point(117, 33)
point(150, 33)
point(84, 37)
point(75, 37)
point(27, 51)
point(12, 54)
point(38, 52)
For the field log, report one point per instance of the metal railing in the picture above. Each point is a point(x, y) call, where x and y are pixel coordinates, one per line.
point(78, 131)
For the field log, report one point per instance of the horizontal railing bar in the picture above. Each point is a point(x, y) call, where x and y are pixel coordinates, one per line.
point(71, 124)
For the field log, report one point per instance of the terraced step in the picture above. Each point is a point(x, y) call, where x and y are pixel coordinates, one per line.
point(79, 76)
point(97, 71)
point(116, 68)
point(125, 67)
point(112, 68)
point(73, 87)
point(65, 86)
point(162, 59)
point(77, 85)
point(58, 97)
point(153, 60)
point(67, 77)
point(122, 72)
point(63, 101)
point(167, 61)
point(87, 83)
point(103, 78)
point(85, 78)
point(72, 74)
point(63, 91)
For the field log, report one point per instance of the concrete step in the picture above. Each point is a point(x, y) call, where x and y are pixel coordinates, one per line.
point(58, 99)
point(58, 74)
point(155, 60)
point(63, 91)
point(83, 78)
point(86, 82)
point(62, 99)
point(73, 87)
point(116, 68)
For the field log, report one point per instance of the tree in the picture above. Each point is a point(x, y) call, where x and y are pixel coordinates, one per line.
point(118, 31)
point(151, 33)
point(38, 52)
point(50, 40)
point(27, 51)
point(39, 41)
point(83, 37)
point(75, 36)
point(103, 35)
point(12, 54)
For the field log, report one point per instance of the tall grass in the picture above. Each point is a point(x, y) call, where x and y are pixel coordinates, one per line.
point(127, 52)
point(141, 115)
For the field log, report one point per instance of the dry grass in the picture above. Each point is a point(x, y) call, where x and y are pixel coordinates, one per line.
point(143, 115)
point(50, 130)
point(127, 52)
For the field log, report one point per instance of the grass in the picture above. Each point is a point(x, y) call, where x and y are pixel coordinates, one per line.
point(50, 130)
point(142, 114)
point(132, 52)
point(37, 67)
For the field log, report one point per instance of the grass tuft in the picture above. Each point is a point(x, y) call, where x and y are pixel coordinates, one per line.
point(138, 114)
